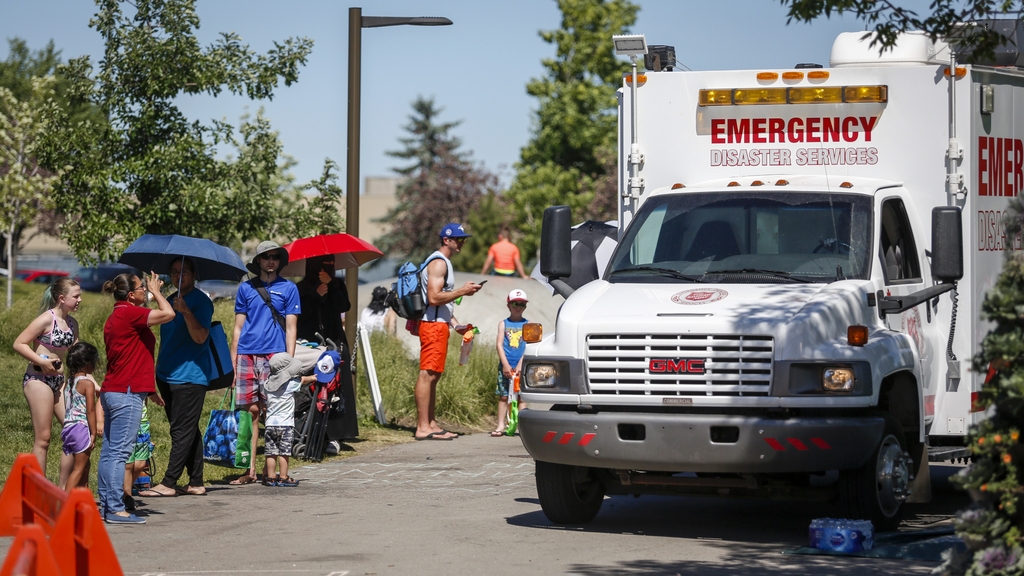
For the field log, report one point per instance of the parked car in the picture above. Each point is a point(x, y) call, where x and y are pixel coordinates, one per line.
point(218, 289)
point(40, 276)
point(91, 278)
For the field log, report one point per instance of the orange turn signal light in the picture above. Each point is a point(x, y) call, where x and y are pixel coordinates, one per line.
point(641, 77)
point(857, 335)
point(792, 75)
point(677, 186)
point(961, 71)
point(532, 332)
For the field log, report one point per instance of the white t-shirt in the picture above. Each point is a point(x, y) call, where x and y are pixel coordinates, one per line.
point(281, 404)
point(371, 320)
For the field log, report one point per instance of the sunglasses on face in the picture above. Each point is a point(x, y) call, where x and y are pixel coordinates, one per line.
point(271, 256)
point(518, 304)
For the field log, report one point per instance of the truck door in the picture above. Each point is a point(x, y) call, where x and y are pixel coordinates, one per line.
point(901, 269)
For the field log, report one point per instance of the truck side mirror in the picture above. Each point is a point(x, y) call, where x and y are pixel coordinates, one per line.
point(555, 244)
point(947, 244)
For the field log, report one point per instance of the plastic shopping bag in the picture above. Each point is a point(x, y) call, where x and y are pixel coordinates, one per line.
point(228, 436)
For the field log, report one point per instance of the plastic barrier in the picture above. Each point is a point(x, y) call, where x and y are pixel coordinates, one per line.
point(30, 554)
point(31, 506)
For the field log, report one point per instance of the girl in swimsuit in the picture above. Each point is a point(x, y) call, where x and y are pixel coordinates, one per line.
point(44, 343)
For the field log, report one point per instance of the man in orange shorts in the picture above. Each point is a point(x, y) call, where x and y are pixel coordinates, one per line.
point(505, 257)
point(438, 280)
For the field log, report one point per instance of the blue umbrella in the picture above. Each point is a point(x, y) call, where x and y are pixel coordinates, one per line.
point(156, 252)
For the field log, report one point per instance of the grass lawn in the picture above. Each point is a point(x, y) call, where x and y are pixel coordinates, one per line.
point(465, 401)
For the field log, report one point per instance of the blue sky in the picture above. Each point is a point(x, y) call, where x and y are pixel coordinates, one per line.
point(476, 69)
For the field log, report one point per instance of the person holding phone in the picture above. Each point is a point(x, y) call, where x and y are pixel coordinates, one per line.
point(44, 343)
point(438, 281)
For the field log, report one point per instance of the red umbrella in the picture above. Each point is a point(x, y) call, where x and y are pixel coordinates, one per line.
point(348, 252)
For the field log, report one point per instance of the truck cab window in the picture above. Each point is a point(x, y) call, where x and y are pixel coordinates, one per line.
point(731, 237)
point(897, 250)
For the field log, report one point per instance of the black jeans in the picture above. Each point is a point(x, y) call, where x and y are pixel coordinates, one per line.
point(184, 406)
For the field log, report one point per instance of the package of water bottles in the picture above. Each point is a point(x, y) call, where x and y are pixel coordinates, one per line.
point(841, 535)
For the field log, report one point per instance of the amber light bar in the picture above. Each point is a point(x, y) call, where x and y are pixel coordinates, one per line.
point(793, 95)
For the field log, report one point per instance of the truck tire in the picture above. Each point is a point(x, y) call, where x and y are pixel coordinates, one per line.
point(877, 490)
point(568, 494)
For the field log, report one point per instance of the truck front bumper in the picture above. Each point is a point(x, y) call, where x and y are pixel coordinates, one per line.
point(699, 442)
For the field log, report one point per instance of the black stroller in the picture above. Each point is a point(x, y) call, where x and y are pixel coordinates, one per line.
point(315, 404)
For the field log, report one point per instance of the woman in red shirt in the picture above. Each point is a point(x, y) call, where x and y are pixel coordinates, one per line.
point(131, 377)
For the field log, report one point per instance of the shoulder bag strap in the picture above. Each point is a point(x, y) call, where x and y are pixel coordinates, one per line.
point(257, 283)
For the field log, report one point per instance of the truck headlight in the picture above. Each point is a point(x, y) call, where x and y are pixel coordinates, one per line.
point(541, 376)
point(837, 379)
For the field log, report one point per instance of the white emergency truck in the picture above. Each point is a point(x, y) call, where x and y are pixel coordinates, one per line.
point(794, 302)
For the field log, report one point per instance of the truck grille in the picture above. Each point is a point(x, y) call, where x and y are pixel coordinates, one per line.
point(734, 365)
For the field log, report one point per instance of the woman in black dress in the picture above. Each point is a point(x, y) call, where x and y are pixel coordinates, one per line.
point(324, 298)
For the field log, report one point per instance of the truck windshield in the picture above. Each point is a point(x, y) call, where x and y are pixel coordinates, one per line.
point(746, 237)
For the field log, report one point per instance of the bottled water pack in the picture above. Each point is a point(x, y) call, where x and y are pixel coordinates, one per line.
point(841, 535)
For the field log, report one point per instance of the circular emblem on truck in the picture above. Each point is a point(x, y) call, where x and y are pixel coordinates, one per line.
point(699, 296)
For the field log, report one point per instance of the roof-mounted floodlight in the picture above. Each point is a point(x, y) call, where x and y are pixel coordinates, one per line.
point(630, 44)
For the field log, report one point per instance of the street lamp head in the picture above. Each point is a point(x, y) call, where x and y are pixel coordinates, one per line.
point(381, 21)
point(631, 45)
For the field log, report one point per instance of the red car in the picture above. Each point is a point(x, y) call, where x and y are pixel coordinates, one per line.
point(40, 276)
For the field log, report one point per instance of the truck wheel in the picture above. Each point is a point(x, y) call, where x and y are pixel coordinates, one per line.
point(568, 494)
point(878, 489)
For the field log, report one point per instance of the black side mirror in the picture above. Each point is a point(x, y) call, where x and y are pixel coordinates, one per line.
point(947, 244)
point(555, 244)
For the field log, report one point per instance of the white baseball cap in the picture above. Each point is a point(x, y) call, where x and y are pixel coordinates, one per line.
point(517, 295)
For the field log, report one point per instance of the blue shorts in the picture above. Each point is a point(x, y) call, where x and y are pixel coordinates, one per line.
point(504, 383)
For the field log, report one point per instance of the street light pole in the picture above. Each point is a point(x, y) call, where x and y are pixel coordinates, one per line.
point(356, 23)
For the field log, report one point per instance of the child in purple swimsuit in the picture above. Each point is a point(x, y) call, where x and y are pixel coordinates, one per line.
point(79, 434)
point(43, 344)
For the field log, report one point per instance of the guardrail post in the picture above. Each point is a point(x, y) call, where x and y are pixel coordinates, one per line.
point(30, 554)
point(11, 497)
point(80, 541)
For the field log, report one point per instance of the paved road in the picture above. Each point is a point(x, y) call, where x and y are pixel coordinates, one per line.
point(469, 507)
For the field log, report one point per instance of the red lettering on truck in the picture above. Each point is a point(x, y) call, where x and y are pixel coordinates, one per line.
point(1000, 166)
point(793, 131)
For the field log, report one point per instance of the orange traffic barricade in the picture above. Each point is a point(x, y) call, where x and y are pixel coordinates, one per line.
point(31, 505)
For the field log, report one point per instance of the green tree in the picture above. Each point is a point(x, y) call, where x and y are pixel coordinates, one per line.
point(152, 170)
point(441, 185)
point(991, 527)
point(570, 158)
point(25, 186)
point(944, 20)
point(17, 74)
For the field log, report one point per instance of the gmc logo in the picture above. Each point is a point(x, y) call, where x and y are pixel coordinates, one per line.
point(681, 366)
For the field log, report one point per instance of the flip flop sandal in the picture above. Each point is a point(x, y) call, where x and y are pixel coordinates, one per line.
point(496, 434)
point(242, 480)
point(154, 494)
point(434, 436)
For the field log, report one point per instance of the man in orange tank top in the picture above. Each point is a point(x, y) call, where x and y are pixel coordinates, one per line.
point(505, 257)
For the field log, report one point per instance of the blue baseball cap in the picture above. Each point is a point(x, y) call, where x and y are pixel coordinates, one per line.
point(454, 230)
point(327, 366)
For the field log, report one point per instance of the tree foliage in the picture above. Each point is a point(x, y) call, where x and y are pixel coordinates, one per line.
point(18, 73)
point(441, 185)
point(152, 170)
point(570, 158)
point(25, 186)
point(944, 20)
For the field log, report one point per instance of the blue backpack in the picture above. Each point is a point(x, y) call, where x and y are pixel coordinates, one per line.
point(407, 296)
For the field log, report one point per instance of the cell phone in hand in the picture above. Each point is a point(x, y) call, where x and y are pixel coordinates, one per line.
point(484, 282)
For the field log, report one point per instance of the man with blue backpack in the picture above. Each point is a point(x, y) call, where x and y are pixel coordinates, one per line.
point(437, 281)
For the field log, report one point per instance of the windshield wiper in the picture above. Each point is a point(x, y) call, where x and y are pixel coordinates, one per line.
point(773, 273)
point(661, 271)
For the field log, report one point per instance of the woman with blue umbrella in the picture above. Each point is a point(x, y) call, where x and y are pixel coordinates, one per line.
point(183, 366)
point(181, 377)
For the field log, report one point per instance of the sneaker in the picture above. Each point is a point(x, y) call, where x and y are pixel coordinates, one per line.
point(129, 503)
point(333, 447)
point(129, 519)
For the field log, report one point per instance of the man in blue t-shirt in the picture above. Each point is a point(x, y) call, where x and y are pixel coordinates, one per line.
point(181, 369)
point(260, 333)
